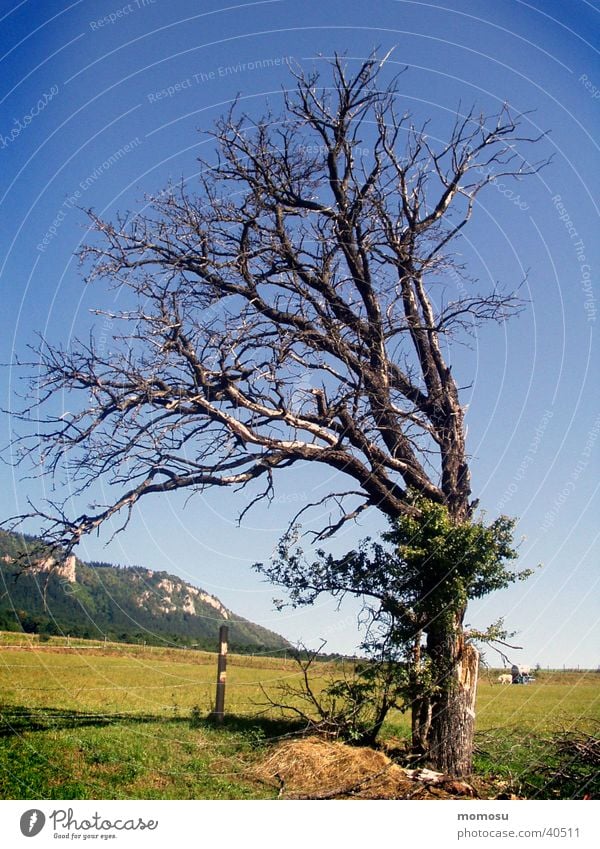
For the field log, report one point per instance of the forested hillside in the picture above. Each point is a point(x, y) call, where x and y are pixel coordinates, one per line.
point(122, 603)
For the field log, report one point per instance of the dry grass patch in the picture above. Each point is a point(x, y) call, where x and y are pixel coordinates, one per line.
point(313, 768)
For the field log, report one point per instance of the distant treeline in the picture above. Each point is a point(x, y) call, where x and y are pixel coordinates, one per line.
point(121, 604)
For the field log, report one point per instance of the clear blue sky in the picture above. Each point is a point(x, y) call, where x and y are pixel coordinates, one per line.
point(83, 81)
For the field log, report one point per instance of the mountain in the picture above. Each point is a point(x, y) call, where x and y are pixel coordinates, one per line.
point(122, 603)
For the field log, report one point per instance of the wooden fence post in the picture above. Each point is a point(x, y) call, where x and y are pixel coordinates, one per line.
point(219, 711)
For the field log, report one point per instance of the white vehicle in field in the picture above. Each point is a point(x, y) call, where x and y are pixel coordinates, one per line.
point(521, 674)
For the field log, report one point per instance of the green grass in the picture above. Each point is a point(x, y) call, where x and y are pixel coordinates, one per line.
point(128, 722)
point(555, 702)
point(542, 765)
point(161, 682)
point(125, 759)
point(550, 704)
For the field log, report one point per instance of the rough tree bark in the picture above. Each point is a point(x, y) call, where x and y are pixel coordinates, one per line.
point(421, 707)
point(456, 666)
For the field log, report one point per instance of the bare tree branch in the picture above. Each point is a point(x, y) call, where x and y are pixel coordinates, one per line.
point(281, 313)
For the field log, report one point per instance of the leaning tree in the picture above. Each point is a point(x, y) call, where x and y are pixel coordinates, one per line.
point(415, 586)
point(294, 306)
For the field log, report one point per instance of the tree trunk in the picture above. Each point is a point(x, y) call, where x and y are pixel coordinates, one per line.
point(420, 703)
point(370, 736)
point(420, 725)
point(452, 727)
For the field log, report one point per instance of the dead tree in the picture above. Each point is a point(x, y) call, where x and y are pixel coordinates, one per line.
point(292, 307)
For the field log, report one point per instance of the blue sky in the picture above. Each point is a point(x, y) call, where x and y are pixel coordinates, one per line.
point(102, 102)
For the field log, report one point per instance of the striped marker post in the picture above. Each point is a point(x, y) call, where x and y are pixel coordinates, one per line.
point(219, 711)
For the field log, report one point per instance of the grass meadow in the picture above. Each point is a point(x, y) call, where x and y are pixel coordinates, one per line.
point(91, 721)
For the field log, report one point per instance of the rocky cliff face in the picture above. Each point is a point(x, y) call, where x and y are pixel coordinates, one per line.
point(65, 570)
point(125, 603)
point(208, 599)
point(171, 594)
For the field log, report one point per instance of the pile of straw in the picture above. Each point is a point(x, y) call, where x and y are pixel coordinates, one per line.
point(313, 768)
